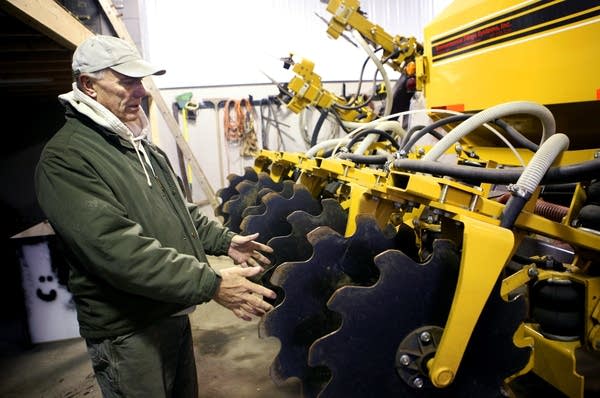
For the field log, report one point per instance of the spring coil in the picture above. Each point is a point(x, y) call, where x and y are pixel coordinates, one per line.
point(550, 211)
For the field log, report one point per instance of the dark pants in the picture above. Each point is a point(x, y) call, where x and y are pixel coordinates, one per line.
point(154, 362)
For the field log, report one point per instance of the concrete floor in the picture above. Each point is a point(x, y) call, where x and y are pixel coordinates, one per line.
point(232, 362)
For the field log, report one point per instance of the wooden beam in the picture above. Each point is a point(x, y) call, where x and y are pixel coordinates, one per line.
point(50, 18)
point(119, 27)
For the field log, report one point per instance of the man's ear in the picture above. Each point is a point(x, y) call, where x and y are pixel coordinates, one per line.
point(87, 86)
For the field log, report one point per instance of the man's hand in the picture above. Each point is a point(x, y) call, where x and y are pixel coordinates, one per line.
point(243, 297)
point(245, 251)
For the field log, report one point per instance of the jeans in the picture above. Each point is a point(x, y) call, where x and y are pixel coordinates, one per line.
point(157, 361)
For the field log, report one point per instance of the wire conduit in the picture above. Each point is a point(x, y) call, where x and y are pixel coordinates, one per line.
point(490, 114)
point(532, 175)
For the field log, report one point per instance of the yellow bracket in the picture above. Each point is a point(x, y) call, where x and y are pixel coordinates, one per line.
point(308, 90)
point(518, 279)
point(346, 14)
point(480, 268)
point(554, 361)
point(342, 12)
point(593, 308)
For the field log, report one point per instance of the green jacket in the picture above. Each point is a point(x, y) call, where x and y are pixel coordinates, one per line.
point(137, 251)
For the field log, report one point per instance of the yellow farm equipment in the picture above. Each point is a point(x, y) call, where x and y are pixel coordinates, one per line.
point(455, 267)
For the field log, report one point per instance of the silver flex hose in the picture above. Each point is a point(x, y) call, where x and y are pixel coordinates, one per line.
point(487, 115)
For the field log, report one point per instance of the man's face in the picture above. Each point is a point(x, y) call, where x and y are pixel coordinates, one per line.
point(120, 94)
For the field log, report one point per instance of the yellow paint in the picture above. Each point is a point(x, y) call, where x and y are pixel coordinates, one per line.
point(541, 67)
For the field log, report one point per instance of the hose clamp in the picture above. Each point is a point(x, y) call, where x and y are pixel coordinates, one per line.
point(519, 191)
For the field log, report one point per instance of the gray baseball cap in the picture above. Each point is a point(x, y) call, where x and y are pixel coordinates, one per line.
point(100, 52)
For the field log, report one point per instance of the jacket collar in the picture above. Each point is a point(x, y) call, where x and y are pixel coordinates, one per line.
point(132, 133)
point(105, 118)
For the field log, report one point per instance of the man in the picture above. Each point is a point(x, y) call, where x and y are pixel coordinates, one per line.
point(136, 249)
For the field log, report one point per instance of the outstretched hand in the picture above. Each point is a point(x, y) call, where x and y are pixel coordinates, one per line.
point(242, 296)
point(245, 251)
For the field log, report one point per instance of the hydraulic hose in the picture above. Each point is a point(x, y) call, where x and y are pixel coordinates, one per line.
point(517, 136)
point(392, 126)
point(325, 145)
point(350, 105)
point(386, 81)
point(365, 143)
point(364, 159)
point(555, 175)
point(490, 114)
point(315, 134)
point(386, 125)
point(376, 133)
point(415, 134)
point(412, 130)
point(410, 140)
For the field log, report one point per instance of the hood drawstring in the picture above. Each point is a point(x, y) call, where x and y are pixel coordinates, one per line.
point(132, 132)
point(139, 147)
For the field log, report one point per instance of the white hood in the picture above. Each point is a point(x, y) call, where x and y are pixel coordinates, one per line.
point(132, 132)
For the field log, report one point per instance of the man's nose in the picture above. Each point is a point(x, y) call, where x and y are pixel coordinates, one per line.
point(140, 90)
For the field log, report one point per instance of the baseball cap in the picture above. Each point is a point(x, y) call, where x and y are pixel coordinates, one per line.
point(100, 52)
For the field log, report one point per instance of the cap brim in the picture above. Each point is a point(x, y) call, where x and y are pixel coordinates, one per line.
point(137, 68)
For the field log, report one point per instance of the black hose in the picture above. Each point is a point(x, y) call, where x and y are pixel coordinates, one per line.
point(412, 131)
point(315, 134)
point(412, 137)
point(519, 138)
point(350, 105)
point(512, 210)
point(364, 133)
point(339, 120)
point(355, 107)
point(362, 159)
point(328, 153)
point(563, 174)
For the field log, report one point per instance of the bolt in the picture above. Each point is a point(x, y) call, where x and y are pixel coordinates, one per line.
point(404, 360)
point(418, 382)
point(532, 272)
point(575, 223)
point(425, 337)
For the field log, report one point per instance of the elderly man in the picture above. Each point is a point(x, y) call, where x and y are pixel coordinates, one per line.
point(137, 249)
